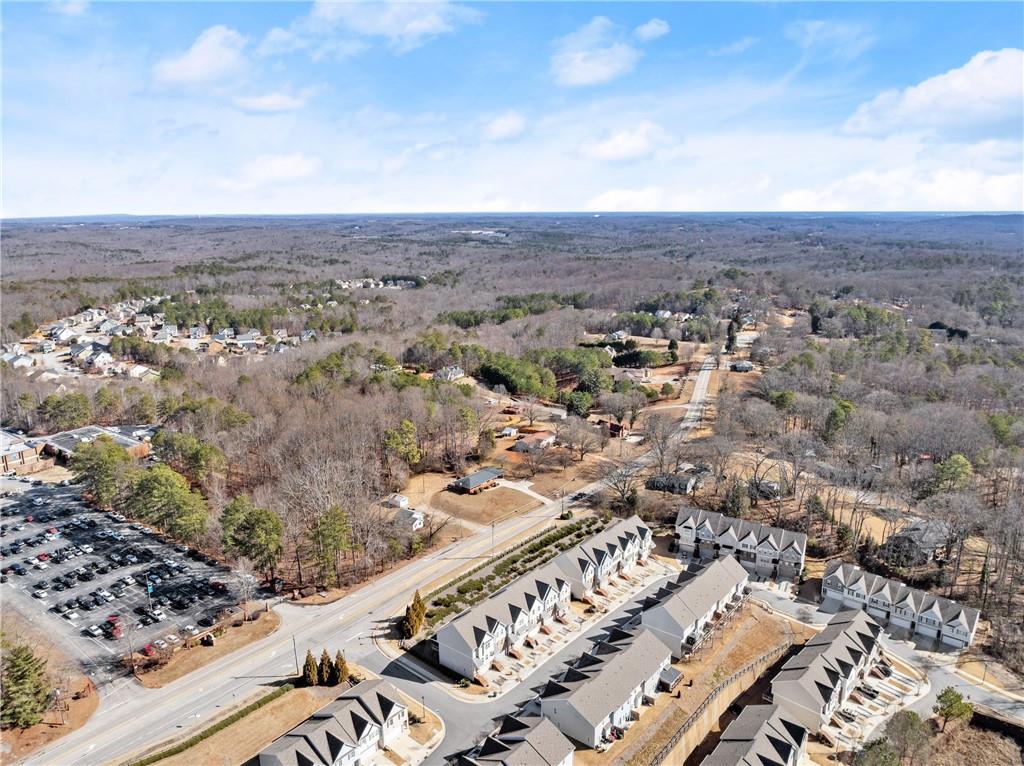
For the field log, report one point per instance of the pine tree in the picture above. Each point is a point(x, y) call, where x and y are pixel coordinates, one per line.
point(310, 672)
point(324, 670)
point(415, 615)
point(341, 665)
point(25, 689)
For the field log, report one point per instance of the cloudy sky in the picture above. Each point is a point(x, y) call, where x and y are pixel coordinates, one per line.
point(429, 107)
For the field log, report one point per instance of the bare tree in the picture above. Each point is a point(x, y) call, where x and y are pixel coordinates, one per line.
point(245, 581)
point(623, 480)
point(531, 408)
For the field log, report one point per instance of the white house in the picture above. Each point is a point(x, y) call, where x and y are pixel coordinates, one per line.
point(683, 612)
point(900, 606)
point(397, 501)
point(765, 550)
point(409, 518)
point(494, 629)
point(449, 374)
point(522, 740)
point(607, 687)
point(817, 681)
point(614, 551)
point(349, 731)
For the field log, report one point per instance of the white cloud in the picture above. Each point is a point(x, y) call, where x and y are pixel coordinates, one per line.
point(505, 126)
point(909, 188)
point(840, 39)
point(69, 7)
point(735, 48)
point(631, 144)
point(270, 103)
point(984, 91)
point(593, 54)
point(272, 170)
point(215, 55)
point(652, 30)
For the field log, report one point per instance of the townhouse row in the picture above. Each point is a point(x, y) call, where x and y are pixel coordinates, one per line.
point(899, 605)
point(348, 731)
point(764, 550)
point(762, 735)
point(493, 630)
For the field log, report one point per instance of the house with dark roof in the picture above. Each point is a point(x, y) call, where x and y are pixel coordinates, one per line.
point(762, 735)
point(920, 541)
point(765, 550)
point(522, 740)
point(683, 612)
point(604, 690)
point(614, 551)
point(900, 606)
point(477, 481)
point(345, 732)
point(494, 629)
point(817, 681)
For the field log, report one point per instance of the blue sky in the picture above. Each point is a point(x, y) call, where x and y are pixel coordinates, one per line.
point(185, 108)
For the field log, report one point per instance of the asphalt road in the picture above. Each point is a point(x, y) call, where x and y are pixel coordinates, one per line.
point(131, 717)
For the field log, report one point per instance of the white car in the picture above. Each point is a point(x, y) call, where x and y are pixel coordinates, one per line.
point(72, 616)
point(86, 549)
point(128, 580)
point(94, 631)
point(40, 594)
point(192, 630)
point(171, 638)
point(41, 565)
point(160, 644)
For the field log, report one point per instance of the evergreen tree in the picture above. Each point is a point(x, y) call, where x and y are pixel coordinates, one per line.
point(415, 616)
point(310, 672)
point(325, 669)
point(25, 689)
point(950, 705)
point(341, 667)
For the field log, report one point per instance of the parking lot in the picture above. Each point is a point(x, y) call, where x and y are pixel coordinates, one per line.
point(100, 581)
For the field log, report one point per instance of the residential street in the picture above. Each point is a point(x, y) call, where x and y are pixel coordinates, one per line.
point(131, 717)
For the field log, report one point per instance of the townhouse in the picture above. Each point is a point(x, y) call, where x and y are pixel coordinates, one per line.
point(368, 717)
point(683, 612)
point(899, 605)
point(522, 740)
point(614, 551)
point(762, 735)
point(818, 680)
point(764, 550)
point(494, 629)
point(600, 694)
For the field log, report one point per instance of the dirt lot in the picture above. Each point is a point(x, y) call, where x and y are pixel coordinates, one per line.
point(961, 745)
point(16, 744)
point(752, 633)
point(184, 661)
point(490, 505)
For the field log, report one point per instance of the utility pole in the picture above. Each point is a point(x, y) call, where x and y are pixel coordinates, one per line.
point(295, 652)
point(492, 539)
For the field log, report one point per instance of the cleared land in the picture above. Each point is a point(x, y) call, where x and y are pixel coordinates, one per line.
point(485, 507)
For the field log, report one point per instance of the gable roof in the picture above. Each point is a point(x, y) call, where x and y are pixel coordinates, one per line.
point(762, 735)
point(521, 741)
point(720, 524)
point(692, 595)
point(921, 602)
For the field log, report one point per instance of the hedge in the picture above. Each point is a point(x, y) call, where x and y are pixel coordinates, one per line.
point(238, 715)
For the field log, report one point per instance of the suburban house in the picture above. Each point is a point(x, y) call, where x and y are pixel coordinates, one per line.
point(818, 680)
point(522, 740)
point(684, 612)
point(742, 366)
point(538, 440)
point(449, 374)
point(617, 336)
point(921, 541)
point(762, 549)
point(899, 605)
point(600, 694)
point(490, 631)
point(397, 501)
point(477, 481)
point(409, 518)
point(762, 735)
point(368, 717)
point(509, 432)
point(684, 482)
point(614, 551)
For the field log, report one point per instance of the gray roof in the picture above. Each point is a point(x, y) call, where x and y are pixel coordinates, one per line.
point(521, 741)
point(947, 611)
point(67, 442)
point(782, 539)
point(477, 478)
point(832, 654)
point(600, 680)
point(762, 735)
point(926, 534)
point(692, 595)
point(321, 738)
point(592, 551)
point(504, 607)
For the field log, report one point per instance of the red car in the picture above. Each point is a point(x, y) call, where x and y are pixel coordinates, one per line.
point(148, 650)
point(43, 557)
point(114, 619)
